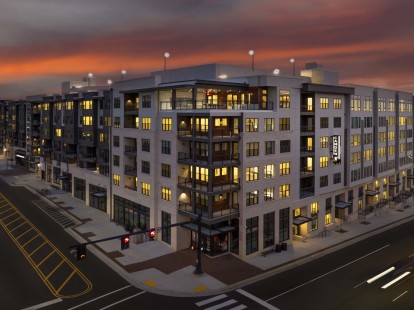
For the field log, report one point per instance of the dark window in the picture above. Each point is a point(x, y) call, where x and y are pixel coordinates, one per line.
point(269, 147)
point(268, 229)
point(284, 146)
point(166, 233)
point(116, 141)
point(252, 235)
point(337, 178)
point(165, 147)
point(252, 149)
point(145, 168)
point(324, 122)
point(116, 160)
point(337, 122)
point(117, 102)
point(284, 226)
point(145, 145)
point(323, 181)
point(146, 101)
point(166, 170)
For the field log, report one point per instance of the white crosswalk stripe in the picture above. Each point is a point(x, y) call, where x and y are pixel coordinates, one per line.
point(223, 303)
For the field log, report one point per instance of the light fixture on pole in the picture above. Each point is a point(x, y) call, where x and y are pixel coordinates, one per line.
point(90, 76)
point(123, 72)
point(109, 82)
point(292, 61)
point(166, 56)
point(276, 71)
point(251, 53)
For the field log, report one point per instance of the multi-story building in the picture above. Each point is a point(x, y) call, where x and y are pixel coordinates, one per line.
point(262, 158)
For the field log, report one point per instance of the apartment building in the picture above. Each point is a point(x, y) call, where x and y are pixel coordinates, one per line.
point(264, 159)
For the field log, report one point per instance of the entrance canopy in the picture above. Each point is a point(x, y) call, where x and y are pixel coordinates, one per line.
point(299, 220)
point(342, 204)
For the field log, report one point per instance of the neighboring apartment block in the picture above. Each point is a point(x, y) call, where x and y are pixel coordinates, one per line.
point(263, 159)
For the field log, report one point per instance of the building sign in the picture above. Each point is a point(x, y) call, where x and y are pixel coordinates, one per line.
point(336, 149)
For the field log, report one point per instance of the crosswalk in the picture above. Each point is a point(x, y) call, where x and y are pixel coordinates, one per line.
point(219, 302)
point(54, 213)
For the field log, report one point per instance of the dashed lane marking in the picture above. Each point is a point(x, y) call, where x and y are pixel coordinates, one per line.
point(56, 271)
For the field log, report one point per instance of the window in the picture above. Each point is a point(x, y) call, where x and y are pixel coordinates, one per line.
point(337, 178)
point(337, 103)
point(116, 179)
point(368, 154)
point(116, 160)
point(146, 189)
point(146, 123)
point(269, 194)
point(166, 232)
point(165, 193)
point(145, 145)
point(391, 121)
point(381, 152)
point(165, 147)
point(117, 103)
point(284, 225)
point(324, 103)
point(145, 167)
point(391, 149)
point(368, 104)
point(381, 104)
point(269, 171)
point(284, 99)
point(391, 135)
point(367, 122)
point(269, 147)
point(284, 146)
point(323, 161)
point(252, 149)
point(324, 122)
point(337, 122)
point(166, 124)
point(146, 101)
point(356, 103)
point(252, 198)
point(268, 229)
point(252, 235)
point(355, 122)
point(356, 140)
point(87, 120)
point(391, 105)
point(58, 132)
point(382, 136)
point(355, 157)
point(252, 173)
point(116, 141)
point(269, 124)
point(368, 138)
point(86, 105)
point(166, 170)
point(324, 142)
point(252, 124)
point(284, 191)
point(323, 181)
point(284, 124)
point(117, 122)
point(284, 168)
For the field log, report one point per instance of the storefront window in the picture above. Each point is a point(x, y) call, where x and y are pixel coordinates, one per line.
point(252, 235)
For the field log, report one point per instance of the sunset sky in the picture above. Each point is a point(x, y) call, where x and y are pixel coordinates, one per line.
point(46, 42)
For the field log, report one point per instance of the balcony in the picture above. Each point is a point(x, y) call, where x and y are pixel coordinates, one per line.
point(307, 149)
point(187, 104)
point(307, 128)
point(187, 158)
point(131, 187)
point(219, 210)
point(307, 192)
point(202, 185)
point(306, 171)
point(91, 158)
point(216, 133)
point(130, 150)
point(130, 170)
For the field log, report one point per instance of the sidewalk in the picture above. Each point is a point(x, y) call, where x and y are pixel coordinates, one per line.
point(154, 267)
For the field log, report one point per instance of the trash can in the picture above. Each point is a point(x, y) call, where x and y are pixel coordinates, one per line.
point(284, 246)
point(278, 248)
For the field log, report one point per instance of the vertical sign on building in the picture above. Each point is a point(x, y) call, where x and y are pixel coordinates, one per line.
point(336, 149)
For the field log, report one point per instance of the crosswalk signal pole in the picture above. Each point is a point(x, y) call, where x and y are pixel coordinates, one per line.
point(198, 261)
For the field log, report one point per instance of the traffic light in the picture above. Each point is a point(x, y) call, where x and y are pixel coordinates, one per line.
point(81, 252)
point(151, 234)
point(125, 242)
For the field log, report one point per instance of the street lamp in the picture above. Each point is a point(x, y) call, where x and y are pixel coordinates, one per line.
point(166, 56)
point(123, 72)
point(292, 61)
point(90, 76)
point(109, 82)
point(276, 71)
point(251, 53)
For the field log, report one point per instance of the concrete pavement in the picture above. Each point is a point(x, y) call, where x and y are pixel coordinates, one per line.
point(154, 267)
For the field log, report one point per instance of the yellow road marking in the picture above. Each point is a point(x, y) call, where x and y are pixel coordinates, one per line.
point(24, 233)
point(43, 260)
point(75, 271)
point(17, 226)
point(54, 269)
point(8, 216)
point(37, 248)
point(66, 281)
point(19, 218)
point(30, 241)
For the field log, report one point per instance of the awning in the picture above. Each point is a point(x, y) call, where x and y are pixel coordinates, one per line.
point(394, 183)
point(342, 204)
point(204, 231)
point(299, 220)
point(99, 194)
point(371, 193)
point(63, 177)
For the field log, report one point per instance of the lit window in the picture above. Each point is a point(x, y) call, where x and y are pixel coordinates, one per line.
point(284, 168)
point(324, 103)
point(269, 171)
point(87, 120)
point(323, 161)
point(116, 179)
point(58, 132)
point(269, 194)
point(252, 124)
point(284, 191)
point(314, 208)
point(337, 103)
point(146, 123)
point(284, 99)
point(145, 189)
point(165, 193)
point(252, 173)
point(166, 124)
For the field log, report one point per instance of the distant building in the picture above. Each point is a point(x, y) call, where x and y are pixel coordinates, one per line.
point(264, 159)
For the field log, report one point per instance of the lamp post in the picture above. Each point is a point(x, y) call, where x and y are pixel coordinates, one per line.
point(90, 76)
point(251, 53)
point(123, 72)
point(109, 82)
point(292, 61)
point(276, 71)
point(166, 56)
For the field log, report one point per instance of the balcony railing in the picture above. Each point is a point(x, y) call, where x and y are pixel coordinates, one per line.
point(216, 133)
point(202, 185)
point(130, 170)
point(187, 104)
point(307, 192)
point(188, 158)
point(131, 187)
point(88, 157)
point(131, 149)
point(307, 149)
point(307, 128)
point(306, 171)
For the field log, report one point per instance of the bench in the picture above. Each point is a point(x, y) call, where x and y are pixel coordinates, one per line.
point(267, 252)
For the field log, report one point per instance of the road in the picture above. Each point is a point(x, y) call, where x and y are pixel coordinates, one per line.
point(334, 281)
